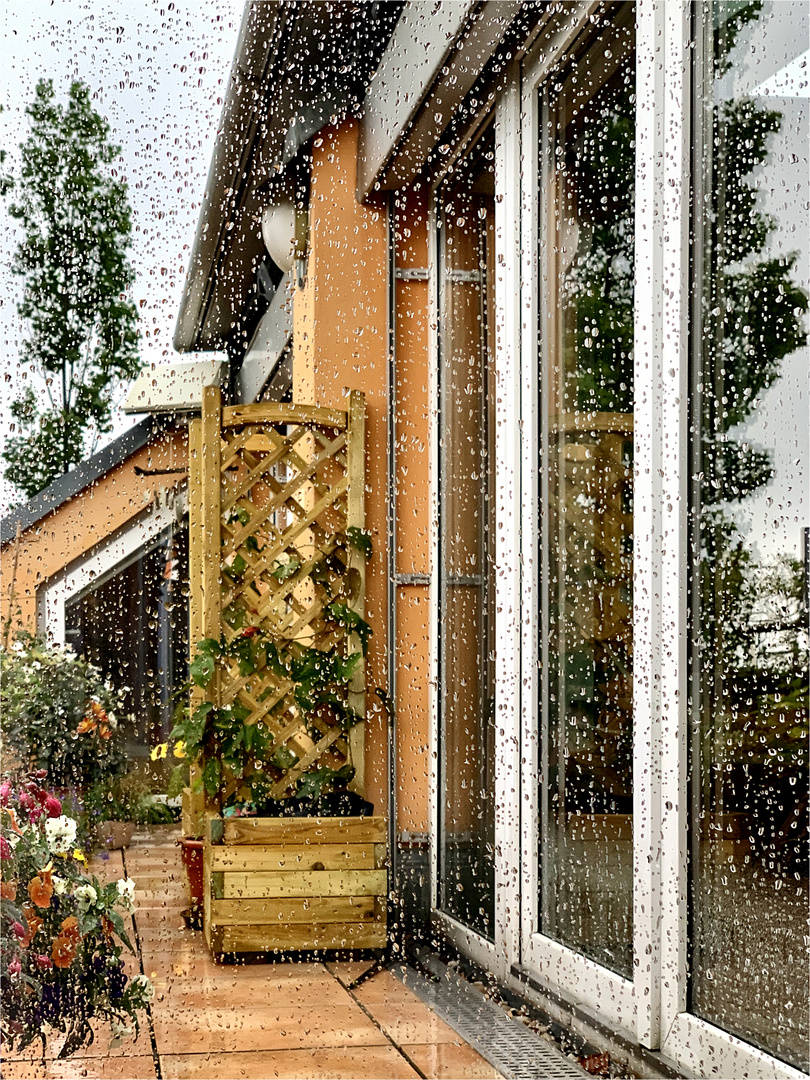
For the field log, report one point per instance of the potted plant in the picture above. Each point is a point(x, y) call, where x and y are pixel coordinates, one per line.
point(63, 932)
point(115, 805)
point(59, 716)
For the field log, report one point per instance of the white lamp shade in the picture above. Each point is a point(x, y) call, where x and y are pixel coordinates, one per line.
point(278, 233)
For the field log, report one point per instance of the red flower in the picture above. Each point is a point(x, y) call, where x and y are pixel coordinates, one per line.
point(53, 806)
point(5, 848)
point(43, 962)
point(250, 631)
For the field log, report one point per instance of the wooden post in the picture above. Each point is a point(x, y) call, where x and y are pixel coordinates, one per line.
point(356, 516)
point(210, 530)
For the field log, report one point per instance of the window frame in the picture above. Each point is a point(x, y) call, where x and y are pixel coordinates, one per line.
point(653, 1006)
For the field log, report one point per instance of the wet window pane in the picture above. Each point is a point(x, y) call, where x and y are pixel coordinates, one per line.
point(134, 626)
point(467, 543)
point(750, 476)
point(586, 341)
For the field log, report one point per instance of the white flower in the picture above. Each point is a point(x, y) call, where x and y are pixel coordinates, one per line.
point(61, 834)
point(145, 984)
point(59, 885)
point(126, 890)
point(86, 895)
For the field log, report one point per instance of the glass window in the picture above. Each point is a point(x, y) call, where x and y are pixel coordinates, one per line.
point(750, 478)
point(587, 157)
point(134, 626)
point(467, 542)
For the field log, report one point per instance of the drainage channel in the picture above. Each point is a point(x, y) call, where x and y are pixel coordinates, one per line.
point(510, 1047)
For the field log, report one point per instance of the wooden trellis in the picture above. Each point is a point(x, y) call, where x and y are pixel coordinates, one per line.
point(273, 490)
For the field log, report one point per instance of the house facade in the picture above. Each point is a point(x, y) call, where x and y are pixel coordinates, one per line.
point(563, 250)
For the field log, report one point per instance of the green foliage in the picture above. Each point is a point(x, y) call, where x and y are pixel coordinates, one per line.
point(224, 740)
point(360, 540)
point(58, 715)
point(73, 257)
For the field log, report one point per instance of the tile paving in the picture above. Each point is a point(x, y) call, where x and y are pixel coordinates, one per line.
point(252, 1021)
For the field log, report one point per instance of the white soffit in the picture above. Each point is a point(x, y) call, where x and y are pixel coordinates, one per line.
point(435, 54)
point(269, 342)
point(423, 37)
point(175, 387)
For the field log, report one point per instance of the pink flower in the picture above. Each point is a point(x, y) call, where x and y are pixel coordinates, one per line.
point(5, 793)
point(53, 806)
point(43, 962)
point(18, 930)
point(5, 848)
point(15, 967)
point(27, 802)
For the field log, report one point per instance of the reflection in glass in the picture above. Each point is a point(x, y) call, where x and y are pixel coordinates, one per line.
point(467, 543)
point(750, 480)
point(586, 338)
point(134, 626)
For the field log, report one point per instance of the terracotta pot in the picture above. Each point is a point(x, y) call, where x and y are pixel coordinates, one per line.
point(115, 834)
point(192, 852)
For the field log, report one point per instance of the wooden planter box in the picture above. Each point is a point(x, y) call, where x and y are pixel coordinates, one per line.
point(278, 884)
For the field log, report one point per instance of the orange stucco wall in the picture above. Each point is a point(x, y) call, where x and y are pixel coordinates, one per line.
point(340, 335)
point(411, 323)
point(74, 528)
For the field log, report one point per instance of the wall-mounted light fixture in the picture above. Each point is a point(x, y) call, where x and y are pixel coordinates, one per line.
point(285, 232)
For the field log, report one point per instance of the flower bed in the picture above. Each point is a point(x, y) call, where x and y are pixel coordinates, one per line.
point(63, 932)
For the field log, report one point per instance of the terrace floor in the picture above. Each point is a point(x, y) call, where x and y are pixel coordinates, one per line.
point(252, 1021)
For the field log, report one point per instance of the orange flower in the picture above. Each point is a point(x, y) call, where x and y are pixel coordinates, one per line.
point(66, 943)
point(40, 889)
point(8, 890)
point(70, 929)
point(34, 923)
point(86, 725)
point(63, 951)
point(96, 721)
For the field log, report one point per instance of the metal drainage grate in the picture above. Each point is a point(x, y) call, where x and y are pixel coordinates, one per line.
point(515, 1051)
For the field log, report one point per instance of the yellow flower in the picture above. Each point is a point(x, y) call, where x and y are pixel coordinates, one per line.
point(159, 751)
point(79, 855)
point(179, 750)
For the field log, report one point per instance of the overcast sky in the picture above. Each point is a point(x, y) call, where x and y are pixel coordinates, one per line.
point(157, 72)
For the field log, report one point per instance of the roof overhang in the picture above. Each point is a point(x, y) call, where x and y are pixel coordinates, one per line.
point(297, 68)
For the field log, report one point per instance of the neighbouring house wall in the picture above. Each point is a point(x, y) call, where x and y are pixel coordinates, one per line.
point(75, 527)
point(340, 341)
point(411, 321)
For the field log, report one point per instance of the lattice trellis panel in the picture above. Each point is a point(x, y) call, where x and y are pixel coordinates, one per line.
point(273, 490)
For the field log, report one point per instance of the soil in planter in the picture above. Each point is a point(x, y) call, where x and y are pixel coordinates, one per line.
point(331, 804)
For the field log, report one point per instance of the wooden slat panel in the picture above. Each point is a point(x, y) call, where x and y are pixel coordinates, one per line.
point(356, 517)
point(283, 413)
point(315, 909)
point(355, 830)
point(298, 936)
point(304, 883)
point(294, 857)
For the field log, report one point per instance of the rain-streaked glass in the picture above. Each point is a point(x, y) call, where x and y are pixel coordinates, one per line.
point(586, 458)
point(749, 494)
point(467, 542)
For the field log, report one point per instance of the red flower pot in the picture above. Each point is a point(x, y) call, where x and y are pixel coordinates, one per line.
point(192, 852)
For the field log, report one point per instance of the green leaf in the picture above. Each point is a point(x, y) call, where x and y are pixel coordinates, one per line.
point(312, 784)
point(340, 612)
point(202, 669)
point(284, 570)
point(211, 776)
point(360, 540)
point(320, 575)
point(210, 646)
point(283, 759)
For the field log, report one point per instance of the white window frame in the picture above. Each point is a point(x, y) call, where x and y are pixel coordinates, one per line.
point(652, 1008)
point(103, 561)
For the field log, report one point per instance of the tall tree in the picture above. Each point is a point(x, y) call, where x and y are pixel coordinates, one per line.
point(73, 255)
